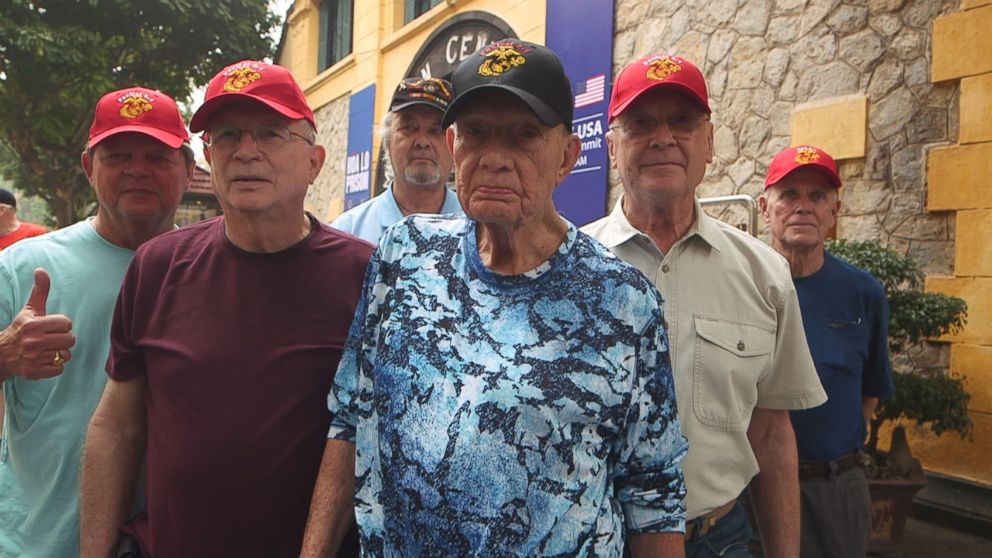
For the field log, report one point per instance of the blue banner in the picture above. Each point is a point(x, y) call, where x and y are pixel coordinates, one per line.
point(581, 33)
point(358, 165)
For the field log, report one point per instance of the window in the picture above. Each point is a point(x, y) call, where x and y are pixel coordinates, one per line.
point(416, 8)
point(335, 32)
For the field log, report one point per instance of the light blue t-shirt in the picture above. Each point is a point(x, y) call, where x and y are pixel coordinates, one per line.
point(524, 415)
point(45, 420)
point(370, 219)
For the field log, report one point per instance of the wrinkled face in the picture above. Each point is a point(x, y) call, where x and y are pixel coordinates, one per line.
point(800, 209)
point(508, 162)
point(261, 176)
point(137, 178)
point(417, 148)
point(660, 145)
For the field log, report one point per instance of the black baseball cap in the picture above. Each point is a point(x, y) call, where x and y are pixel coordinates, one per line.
point(7, 197)
point(431, 92)
point(531, 72)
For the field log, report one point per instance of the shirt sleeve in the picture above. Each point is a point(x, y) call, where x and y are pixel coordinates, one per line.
point(648, 474)
point(877, 377)
point(791, 383)
point(351, 395)
point(126, 360)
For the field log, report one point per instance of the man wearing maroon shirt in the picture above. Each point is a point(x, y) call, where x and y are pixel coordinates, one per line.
point(225, 340)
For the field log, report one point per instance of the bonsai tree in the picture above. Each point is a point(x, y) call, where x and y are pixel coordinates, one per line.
point(936, 401)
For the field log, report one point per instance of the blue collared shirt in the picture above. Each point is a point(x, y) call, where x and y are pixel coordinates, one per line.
point(371, 218)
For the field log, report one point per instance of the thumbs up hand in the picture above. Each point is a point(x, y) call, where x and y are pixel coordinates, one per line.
point(36, 345)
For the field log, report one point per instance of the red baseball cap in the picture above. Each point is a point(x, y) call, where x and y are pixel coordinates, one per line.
point(268, 84)
point(800, 156)
point(657, 70)
point(137, 109)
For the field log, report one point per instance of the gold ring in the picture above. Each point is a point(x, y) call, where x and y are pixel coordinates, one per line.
point(58, 358)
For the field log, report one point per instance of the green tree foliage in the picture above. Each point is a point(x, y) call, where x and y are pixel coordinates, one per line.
point(57, 58)
point(936, 401)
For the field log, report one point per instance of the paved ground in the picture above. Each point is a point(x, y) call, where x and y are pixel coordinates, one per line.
point(928, 540)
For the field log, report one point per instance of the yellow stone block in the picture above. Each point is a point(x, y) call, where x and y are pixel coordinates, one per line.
point(957, 177)
point(837, 126)
point(962, 44)
point(976, 109)
point(977, 292)
point(972, 249)
point(974, 362)
point(948, 454)
point(969, 4)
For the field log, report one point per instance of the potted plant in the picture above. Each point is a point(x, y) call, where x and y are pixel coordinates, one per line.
point(935, 401)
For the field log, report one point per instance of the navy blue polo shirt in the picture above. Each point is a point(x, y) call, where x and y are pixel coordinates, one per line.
point(846, 318)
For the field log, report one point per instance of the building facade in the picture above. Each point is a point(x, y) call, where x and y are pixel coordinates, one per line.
point(899, 91)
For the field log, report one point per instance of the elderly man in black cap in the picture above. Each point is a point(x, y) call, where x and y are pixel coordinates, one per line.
point(506, 388)
point(420, 159)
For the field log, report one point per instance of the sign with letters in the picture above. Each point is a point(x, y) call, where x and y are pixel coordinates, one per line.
point(584, 43)
point(358, 165)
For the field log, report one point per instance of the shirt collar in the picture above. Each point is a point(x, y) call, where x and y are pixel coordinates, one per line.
point(619, 229)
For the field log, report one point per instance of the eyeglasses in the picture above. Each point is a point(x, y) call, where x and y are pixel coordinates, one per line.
point(267, 138)
point(680, 125)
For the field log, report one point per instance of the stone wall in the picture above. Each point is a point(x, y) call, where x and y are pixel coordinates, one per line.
point(326, 193)
point(764, 58)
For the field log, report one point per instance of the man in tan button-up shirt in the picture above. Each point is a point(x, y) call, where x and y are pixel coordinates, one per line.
point(738, 349)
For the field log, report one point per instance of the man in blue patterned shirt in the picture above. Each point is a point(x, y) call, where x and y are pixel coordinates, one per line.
point(506, 388)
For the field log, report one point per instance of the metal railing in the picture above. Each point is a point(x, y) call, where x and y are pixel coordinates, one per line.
point(750, 205)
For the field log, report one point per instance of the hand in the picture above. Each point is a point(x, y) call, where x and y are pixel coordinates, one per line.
point(36, 345)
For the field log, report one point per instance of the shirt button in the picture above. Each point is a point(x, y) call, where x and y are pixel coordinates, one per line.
point(740, 345)
point(664, 268)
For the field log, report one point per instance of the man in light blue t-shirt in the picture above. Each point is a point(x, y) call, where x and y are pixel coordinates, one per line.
point(57, 295)
point(420, 159)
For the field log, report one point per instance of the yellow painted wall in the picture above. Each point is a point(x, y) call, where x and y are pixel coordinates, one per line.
point(976, 102)
point(958, 180)
point(383, 47)
point(958, 43)
point(838, 126)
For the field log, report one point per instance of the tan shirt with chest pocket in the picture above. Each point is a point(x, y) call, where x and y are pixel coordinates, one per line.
point(736, 338)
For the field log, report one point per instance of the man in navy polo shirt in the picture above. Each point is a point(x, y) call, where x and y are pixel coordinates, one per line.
point(846, 318)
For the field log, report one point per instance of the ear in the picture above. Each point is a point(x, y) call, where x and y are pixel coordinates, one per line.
point(449, 138)
point(87, 163)
point(709, 143)
point(189, 176)
point(206, 155)
point(763, 205)
point(317, 157)
point(611, 149)
point(573, 147)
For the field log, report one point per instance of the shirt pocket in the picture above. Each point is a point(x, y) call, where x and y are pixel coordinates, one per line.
point(728, 359)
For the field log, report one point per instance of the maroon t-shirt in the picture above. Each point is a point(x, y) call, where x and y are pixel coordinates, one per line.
point(239, 350)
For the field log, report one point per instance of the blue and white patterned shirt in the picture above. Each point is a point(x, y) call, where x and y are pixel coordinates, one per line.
point(526, 415)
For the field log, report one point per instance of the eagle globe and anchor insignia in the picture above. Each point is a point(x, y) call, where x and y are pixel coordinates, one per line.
point(806, 155)
point(502, 57)
point(134, 104)
point(660, 68)
point(240, 77)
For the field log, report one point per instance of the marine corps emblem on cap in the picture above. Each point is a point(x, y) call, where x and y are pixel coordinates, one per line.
point(663, 66)
point(501, 57)
point(134, 104)
point(806, 155)
point(241, 76)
